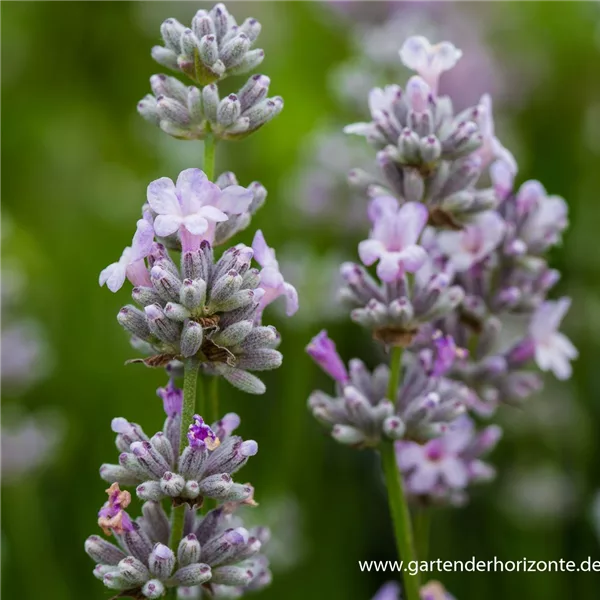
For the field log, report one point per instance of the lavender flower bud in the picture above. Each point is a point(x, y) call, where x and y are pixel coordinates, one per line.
point(177, 312)
point(102, 551)
point(149, 490)
point(188, 551)
point(172, 484)
point(133, 320)
point(133, 571)
point(216, 486)
point(153, 589)
point(192, 575)
point(210, 101)
point(161, 561)
point(232, 575)
point(191, 338)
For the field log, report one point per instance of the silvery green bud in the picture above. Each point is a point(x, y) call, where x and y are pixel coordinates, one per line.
point(394, 428)
point(251, 60)
point(129, 461)
point(133, 571)
point(409, 147)
point(262, 359)
point(190, 44)
point(238, 493)
point(210, 102)
point(148, 108)
point(191, 338)
point(165, 283)
point(153, 589)
point(233, 52)
point(155, 522)
point(255, 90)
point(165, 57)
point(348, 435)
point(191, 490)
point(188, 551)
point(113, 580)
point(194, 105)
point(234, 334)
point(101, 570)
point(161, 561)
point(208, 49)
point(145, 295)
point(172, 484)
point(413, 185)
point(171, 31)
point(216, 486)
point(193, 293)
point(134, 321)
point(112, 473)
point(260, 337)
point(177, 312)
point(102, 551)
point(170, 87)
point(192, 575)
point(163, 446)
point(223, 289)
point(241, 379)
point(430, 149)
point(251, 27)
point(160, 325)
point(228, 111)
point(232, 575)
point(203, 25)
point(150, 490)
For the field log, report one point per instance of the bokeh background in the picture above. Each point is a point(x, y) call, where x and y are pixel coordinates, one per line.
point(77, 160)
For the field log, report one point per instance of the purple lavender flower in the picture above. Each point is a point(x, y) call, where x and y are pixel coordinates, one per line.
point(131, 264)
point(393, 239)
point(200, 435)
point(193, 206)
point(322, 350)
point(442, 468)
point(271, 279)
point(172, 398)
point(112, 517)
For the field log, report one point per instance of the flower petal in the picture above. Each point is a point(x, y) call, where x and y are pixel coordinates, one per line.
point(196, 224)
point(212, 213)
point(235, 200)
point(113, 276)
point(370, 250)
point(415, 52)
point(165, 225)
point(291, 299)
point(262, 253)
point(411, 220)
point(162, 198)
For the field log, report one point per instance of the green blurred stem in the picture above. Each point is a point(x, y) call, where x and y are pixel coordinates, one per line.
point(214, 398)
point(209, 156)
point(190, 381)
point(422, 520)
point(396, 497)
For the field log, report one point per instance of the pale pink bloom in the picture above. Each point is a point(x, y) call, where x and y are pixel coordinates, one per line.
point(271, 279)
point(553, 350)
point(472, 244)
point(491, 149)
point(502, 177)
point(393, 239)
point(428, 60)
point(193, 205)
point(131, 264)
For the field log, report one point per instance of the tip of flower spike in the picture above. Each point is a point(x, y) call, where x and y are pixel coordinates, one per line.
point(163, 551)
point(120, 425)
point(249, 448)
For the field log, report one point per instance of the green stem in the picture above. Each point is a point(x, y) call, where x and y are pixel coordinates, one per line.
point(190, 380)
point(396, 497)
point(422, 519)
point(214, 398)
point(209, 157)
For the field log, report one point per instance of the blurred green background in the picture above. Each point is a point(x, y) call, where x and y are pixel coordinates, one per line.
point(77, 160)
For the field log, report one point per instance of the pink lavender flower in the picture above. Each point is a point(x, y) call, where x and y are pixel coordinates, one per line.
point(193, 206)
point(393, 239)
point(553, 350)
point(323, 352)
point(112, 517)
point(271, 279)
point(200, 435)
point(428, 60)
point(447, 464)
point(471, 245)
point(131, 264)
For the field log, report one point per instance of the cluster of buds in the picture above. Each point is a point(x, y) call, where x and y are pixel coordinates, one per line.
point(456, 263)
point(203, 470)
point(214, 48)
point(201, 313)
point(217, 555)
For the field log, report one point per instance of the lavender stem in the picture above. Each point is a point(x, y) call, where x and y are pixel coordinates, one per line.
point(396, 497)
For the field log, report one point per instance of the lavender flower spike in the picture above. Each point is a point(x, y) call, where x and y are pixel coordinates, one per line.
point(393, 239)
point(428, 60)
point(271, 279)
point(131, 264)
point(322, 350)
point(553, 350)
